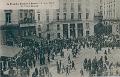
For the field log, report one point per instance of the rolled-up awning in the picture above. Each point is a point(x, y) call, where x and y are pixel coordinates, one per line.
point(35, 38)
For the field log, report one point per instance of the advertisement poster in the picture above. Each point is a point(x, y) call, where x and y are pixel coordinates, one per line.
point(59, 38)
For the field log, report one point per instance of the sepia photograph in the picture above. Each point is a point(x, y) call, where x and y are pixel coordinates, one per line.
point(60, 38)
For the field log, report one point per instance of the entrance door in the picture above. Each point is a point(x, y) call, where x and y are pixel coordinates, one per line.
point(80, 30)
point(72, 31)
point(65, 31)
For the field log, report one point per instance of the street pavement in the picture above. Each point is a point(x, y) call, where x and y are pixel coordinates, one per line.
point(88, 53)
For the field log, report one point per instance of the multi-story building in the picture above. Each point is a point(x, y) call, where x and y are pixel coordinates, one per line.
point(9, 26)
point(111, 16)
point(27, 22)
point(16, 23)
point(98, 10)
point(73, 19)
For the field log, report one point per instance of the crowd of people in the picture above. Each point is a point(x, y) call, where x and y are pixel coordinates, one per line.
point(63, 68)
point(45, 51)
point(100, 67)
point(42, 72)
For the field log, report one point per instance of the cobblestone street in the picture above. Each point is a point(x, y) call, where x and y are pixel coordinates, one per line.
point(84, 53)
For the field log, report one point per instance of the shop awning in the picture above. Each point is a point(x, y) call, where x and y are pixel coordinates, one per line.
point(8, 51)
point(35, 38)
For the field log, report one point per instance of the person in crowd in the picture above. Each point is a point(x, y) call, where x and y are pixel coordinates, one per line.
point(63, 68)
point(109, 51)
point(36, 71)
point(105, 58)
point(58, 69)
point(89, 64)
point(105, 52)
point(101, 62)
point(69, 60)
point(81, 72)
point(85, 63)
point(33, 75)
point(60, 64)
point(28, 71)
point(67, 70)
point(49, 59)
point(34, 62)
point(73, 65)
point(40, 71)
point(46, 70)
point(1, 73)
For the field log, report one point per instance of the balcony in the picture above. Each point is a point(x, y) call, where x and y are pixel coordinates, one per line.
point(26, 20)
point(98, 17)
point(11, 25)
point(27, 23)
point(67, 20)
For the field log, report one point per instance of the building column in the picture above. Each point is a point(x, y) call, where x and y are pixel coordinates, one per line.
point(69, 31)
point(76, 31)
point(2, 64)
point(26, 33)
point(7, 64)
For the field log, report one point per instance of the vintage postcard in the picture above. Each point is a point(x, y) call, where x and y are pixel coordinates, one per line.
point(59, 38)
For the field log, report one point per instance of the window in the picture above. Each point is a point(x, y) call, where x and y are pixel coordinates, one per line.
point(64, 7)
point(39, 35)
point(64, 15)
point(39, 28)
point(87, 26)
point(47, 15)
point(72, 6)
point(72, 16)
point(38, 17)
point(21, 15)
point(31, 18)
point(25, 15)
point(65, 31)
point(79, 7)
point(106, 23)
point(57, 16)
point(47, 18)
point(87, 15)
point(31, 15)
point(100, 7)
point(8, 17)
point(48, 27)
point(58, 27)
point(58, 10)
point(80, 25)
point(80, 29)
point(47, 12)
point(87, 33)
point(48, 36)
point(79, 15)
point(58, 35)
point(72, 31)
